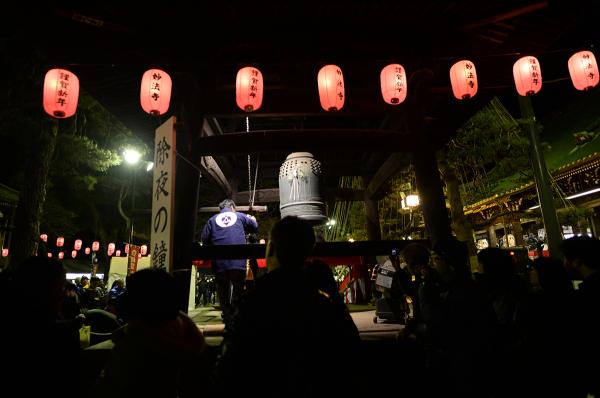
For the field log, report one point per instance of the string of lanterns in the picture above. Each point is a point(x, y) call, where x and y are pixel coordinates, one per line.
point(78, 243)
point(61, 87)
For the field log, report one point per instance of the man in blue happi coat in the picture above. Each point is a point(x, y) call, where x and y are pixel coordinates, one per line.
point(229, 227)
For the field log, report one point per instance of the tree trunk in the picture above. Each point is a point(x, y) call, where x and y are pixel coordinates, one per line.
point(33, 195)
point(461, 226)
point(517, 230)
point(372, 215)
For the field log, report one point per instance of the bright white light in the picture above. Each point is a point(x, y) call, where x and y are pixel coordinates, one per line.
point(131, 156)
point(149, 166)
point(577, 195)
point(350, 240)
point(412, 200)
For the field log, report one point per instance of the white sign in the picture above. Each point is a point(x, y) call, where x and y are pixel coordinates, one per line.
point(163, 196)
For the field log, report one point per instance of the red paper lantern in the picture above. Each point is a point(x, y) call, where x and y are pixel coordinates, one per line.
point(249, 89)
point(61, 93)
point(111, 249)
point(78, 244)
point(583, 69)
point(95, 246)
point(528, 76)
point(331, 88)
point(4, 252)
point(74, 253)
point(155, 92)
point(143, 250)
point(44, 237)
point(393, 84)
point(118, 253)
point(61, 255)
point(463, 78)
point(60, 241)
point(87, 250)
point(49, 255)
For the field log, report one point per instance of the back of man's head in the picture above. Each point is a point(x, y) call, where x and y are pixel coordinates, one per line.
point(415, 254)
point(227, 203)
point(455, 253)
point(151, 296)
point(292, 240)
point(582, 248)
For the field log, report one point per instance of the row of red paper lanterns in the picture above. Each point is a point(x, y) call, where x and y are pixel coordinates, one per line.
point(61, 87)
point(111, 250)
point(61, 255)
point(60, 242)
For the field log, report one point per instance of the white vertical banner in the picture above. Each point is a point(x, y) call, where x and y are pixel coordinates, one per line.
point(163, 196)
point(192, 296)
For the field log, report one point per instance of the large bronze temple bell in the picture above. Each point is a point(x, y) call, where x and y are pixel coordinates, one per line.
point(299, 188)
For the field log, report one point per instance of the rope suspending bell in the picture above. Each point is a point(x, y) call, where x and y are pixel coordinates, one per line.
point(251, 190)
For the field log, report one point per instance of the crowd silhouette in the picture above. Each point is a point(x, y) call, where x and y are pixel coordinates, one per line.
point(496, 333)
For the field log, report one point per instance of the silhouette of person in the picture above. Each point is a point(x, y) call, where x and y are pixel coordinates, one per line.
point(38, 339)
point(583, 264)
point(228, 227)
point(160, 351)
point(291, 324)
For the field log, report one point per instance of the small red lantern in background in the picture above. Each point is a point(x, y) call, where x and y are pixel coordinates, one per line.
point(78, 244)
point(95, 246)
point(583, 69)
point(4, 252)
point(528, 76)
point(49, 255)
point(61, 93)
point(118, 253)
point(155, 92)
point(44, 237)
point(331, 88)
point(393, 84)
point(87, 250)
point(111, 249)
point(61, 255)
point(74, 253)
point(60, 241)
point(143, 250)
point(249, 89)
point(463, 78)
point(127, 248)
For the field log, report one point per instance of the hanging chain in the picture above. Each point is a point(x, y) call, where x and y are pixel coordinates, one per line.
point(255, 178)
point(250, 198)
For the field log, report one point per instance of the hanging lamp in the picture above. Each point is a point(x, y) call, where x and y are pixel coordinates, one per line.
point(528, 76)
point(463, 78)
point(393, 84)
point(331, 88)
point(61, 93)
point(249, 89)
point(155, 92)
point(583, 69)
